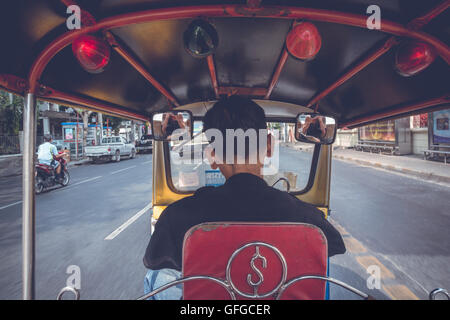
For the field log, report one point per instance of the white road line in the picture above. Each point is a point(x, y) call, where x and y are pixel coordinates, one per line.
point(146, 162)
point(405, 273)
point(114, 172)
point(84, 181)
point(70, 186)
point(114, 234)
point(10, 205)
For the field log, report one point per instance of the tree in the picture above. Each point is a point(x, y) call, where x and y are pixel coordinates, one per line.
point(114, 123)
point(11, 113)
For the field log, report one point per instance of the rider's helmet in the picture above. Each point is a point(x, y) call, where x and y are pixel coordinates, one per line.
point(48, 137)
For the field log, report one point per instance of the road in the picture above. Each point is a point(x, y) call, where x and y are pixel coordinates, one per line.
point(100, 224)
point(71, 226)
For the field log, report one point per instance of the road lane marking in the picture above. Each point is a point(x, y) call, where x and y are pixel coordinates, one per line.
point(147, 162)
point(339, 228)
point(405, 273)
point(116, 232)
point(67, 188)
point(367, 261)
point(353, 245)
point(10, 205)
point(114, 172)
point(399, 292)
point(84, 181)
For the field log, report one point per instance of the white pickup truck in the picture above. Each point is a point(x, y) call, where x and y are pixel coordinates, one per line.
point(112, 149)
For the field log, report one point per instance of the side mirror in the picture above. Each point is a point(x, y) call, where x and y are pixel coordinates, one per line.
point(315, 128)
point(171, 125)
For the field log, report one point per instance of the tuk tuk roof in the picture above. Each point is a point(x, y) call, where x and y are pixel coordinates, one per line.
point(352, 77)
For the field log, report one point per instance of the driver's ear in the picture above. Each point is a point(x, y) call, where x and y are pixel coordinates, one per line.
point(211, 156)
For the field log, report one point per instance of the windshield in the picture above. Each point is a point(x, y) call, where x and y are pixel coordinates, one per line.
point(190, 170)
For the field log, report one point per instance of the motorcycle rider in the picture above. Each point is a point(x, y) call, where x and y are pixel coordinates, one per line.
point(47, 154)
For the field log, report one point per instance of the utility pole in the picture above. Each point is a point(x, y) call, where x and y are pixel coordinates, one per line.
point(100, 121)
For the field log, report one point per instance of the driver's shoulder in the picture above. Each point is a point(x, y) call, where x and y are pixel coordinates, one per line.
point(291, 200)
point(190, 202)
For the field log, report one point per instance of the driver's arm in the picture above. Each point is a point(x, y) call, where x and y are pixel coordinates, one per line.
point(54, 152)
point(322, 127)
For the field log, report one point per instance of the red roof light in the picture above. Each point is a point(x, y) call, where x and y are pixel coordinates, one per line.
point(413, 57)
point(304, 41)
point(92, 53)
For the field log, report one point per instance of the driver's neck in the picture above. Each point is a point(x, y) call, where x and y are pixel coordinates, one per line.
point(229, 170)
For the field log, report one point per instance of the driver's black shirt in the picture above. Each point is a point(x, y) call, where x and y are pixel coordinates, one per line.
point(245, 198)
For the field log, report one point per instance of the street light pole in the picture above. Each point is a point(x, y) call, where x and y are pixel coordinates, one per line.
point(28, 204)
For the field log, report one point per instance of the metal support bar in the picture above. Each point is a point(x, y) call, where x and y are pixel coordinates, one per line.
point(420, 22)
point(415, 25)
point(354, 70)
point(28, 204)
point(395, 111)
point(129, 57)
point(276, 74)
point(51, 94)
point(212, 72)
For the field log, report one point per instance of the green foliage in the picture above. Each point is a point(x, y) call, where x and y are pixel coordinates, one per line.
point(113, 122)
point(11, 111)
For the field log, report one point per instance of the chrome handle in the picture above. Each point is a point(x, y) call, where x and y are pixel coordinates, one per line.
point(64, 290)
point(437, 291)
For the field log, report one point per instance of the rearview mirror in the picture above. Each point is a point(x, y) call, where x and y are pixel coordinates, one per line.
point(172, 125)
point(315, 128)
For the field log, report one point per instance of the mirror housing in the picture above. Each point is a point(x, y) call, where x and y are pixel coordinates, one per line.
point(169, 125)
point(315, 128)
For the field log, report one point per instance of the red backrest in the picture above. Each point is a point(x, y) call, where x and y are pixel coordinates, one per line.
point(254, 256)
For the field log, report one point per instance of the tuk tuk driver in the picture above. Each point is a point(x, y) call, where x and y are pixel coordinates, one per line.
point(244, 197)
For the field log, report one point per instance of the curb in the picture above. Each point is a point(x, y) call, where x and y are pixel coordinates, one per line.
point(78, 163)
point(418, 174)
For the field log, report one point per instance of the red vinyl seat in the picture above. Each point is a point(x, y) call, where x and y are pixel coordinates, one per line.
point(254, 261)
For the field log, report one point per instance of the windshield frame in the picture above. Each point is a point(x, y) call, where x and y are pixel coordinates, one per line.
point(308, 186)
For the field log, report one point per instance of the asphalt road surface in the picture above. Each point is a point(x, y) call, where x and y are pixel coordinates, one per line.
point(101, 223)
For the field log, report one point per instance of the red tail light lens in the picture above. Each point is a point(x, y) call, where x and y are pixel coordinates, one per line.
point(413, 57)
point(92, 53)
point(304, 41)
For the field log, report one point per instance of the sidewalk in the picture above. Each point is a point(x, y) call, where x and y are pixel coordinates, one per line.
point(410, 165)
point(78, 162)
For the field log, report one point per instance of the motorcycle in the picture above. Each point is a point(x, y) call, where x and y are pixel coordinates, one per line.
point(46, 175)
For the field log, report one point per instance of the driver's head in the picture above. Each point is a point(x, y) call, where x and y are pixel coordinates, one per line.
point(48, 138)
point(246, 120)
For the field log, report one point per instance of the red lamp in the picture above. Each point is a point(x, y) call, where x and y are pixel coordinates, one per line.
point(92, 53)
point(413, 57)
point(304, 41)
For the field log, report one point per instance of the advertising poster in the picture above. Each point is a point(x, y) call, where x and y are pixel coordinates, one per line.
point(441, 130)
point(68, 134)
point(380, 131)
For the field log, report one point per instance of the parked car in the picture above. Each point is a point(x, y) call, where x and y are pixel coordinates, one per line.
point(145, 144)
point(112, 149)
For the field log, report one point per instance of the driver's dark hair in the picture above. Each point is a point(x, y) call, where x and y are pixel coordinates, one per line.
point(235, 112)
point(48, 137)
